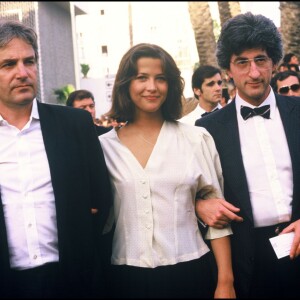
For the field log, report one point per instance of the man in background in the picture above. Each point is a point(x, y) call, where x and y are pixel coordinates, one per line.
point(207, 88)
point(291, 59)
point(84, 99)
point(286, 83)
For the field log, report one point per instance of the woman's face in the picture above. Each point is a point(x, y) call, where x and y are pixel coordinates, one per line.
point(149, 89)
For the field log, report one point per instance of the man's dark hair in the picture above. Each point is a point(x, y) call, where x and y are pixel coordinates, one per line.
point(79, 95)
point(201, 73)
point(287, 58)
point(248, 31)
point(280, 76)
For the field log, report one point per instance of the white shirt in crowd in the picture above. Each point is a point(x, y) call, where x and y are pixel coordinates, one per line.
point(194, 115)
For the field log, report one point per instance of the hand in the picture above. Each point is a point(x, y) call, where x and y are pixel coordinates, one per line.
point(217, 213)
point(94, 211)
point(295, 249)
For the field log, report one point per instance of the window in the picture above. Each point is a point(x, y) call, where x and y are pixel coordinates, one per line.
point(104, 50)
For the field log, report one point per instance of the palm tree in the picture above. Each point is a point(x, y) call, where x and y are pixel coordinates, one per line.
point(290, 30)
point(228, 9)
point(204, 31)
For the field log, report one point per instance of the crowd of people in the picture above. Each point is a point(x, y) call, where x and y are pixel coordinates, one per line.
point(157, 205)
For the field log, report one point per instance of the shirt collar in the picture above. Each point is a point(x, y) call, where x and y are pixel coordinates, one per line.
point(34, 111)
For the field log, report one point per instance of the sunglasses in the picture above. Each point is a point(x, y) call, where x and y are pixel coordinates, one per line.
point(285, 89)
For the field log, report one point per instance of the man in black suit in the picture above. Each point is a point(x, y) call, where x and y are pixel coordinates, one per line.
point(84, 99)
point(258, 139)
point(52, 172)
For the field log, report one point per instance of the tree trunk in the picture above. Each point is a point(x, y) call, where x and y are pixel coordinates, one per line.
point(289, 27)
point(204, 32)
point(228, 9)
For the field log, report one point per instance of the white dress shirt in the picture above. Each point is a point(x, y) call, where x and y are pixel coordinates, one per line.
point(195, 114)
point(154, 207)
point(27, 195)
point(267, 164)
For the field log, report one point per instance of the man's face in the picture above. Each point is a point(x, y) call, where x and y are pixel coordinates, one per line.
point(294, 60)
point(289, 86)
point(86, 104)
point(252, 73)
point(18, 74)
point(211, 90)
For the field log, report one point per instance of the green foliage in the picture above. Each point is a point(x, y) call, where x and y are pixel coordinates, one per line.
point(217, 29)
point(84, 69)
point(63, 93)
point(196, 66)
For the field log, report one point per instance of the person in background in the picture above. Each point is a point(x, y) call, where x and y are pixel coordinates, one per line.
point(157, 166)
point(286, 83)
point(225, 97)
point(290, 58)
point(257, 136)
point(84, 99)
point(207, 88)
point(52, 172)
point(282, 67)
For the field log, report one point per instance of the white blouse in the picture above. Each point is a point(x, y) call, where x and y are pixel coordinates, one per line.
point(154, 207)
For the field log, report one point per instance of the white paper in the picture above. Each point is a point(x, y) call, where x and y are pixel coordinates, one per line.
point(282, 244)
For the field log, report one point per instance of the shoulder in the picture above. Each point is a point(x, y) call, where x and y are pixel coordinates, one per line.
point(289, 99)
point(101, 129)
point(66, 111)
point(193, 131)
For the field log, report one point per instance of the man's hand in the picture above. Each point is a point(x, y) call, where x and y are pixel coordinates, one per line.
point(217, 213)
point(295, 249)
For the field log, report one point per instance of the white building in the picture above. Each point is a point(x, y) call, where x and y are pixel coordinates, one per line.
point(109, 29)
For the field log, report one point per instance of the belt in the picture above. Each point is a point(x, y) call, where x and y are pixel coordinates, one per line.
point(273, 229)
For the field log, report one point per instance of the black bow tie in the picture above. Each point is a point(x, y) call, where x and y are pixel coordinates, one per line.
point(248, 112)
point(208, 112)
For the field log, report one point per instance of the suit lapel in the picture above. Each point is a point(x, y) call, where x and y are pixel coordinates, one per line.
point(291, 123)
point(49, 131)
point(289, 110)
point(229, 148)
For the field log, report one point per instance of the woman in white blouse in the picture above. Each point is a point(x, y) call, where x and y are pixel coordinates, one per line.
point(157, 166)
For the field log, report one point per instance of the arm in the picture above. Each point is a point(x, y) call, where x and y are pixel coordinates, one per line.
point(216, 212)
point(222, 252)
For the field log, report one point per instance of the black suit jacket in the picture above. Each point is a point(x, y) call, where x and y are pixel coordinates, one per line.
point(80, 181)
point(223, 126)
point(101, 129)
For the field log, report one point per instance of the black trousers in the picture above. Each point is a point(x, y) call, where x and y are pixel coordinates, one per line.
point(273, 277)
point(42, 282)
point(192, 279)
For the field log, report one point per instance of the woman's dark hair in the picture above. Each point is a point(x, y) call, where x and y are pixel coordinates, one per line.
point(248, 31)
point(123, 109)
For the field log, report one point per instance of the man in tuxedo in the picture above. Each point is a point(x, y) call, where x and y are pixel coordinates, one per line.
point(207, 88)
point(258, 139)
point(52, 172)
